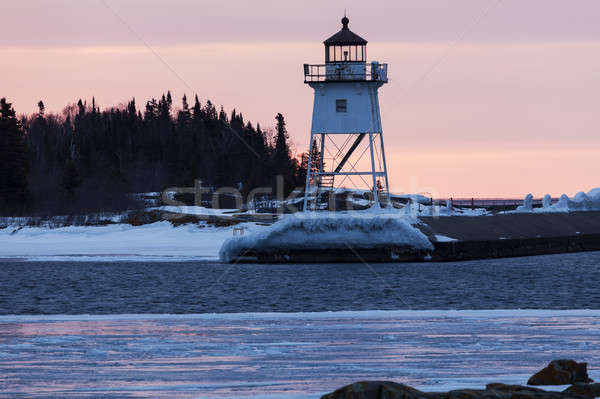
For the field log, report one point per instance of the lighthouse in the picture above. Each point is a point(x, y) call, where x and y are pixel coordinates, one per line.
point(346, 120)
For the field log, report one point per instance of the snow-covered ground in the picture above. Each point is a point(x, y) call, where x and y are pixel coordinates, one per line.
point(157, 241)
point(284, 355)
point(162, 241)
point(196, 210)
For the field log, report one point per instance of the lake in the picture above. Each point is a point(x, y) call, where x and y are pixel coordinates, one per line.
point(567, 281)
point(204, 330)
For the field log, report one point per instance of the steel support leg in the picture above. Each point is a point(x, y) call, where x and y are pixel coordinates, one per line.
point(375, 193)
point(308, 173)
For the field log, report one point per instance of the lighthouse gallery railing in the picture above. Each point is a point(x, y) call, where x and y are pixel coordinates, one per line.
point(345, 71)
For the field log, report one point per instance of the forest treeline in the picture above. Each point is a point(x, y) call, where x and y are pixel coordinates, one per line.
point(85, 159)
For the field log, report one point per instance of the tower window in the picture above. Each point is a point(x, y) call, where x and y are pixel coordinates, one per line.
point(341, 105)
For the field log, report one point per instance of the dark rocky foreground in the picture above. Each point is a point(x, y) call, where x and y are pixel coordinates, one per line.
point(392, 390)
point(558, 372)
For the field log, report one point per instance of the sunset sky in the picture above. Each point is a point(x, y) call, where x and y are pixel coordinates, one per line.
point(487, 98)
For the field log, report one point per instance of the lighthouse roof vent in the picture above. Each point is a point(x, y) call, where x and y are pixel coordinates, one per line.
point(345, 37)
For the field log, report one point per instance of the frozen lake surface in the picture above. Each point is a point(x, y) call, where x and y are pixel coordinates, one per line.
point(289, 355)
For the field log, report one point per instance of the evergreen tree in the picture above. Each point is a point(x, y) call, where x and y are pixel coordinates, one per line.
point(223, 115)
point(184, 115)
point(116, 151)
point(131, 108)
point(42, 109)
point(197, 111)
point(303, 166)
point(282, 162)
point(14, 168)
point(210, 110)
point(184, 104)
point(316, 157)
point(80, 107)
point(281, 145)
point(151, 110)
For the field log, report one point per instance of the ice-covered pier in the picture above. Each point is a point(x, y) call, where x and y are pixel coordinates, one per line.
point(392, 237)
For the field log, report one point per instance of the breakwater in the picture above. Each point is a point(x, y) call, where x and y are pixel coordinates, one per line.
point(461, 238)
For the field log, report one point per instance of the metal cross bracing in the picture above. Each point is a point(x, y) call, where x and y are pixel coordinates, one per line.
point(344, 160)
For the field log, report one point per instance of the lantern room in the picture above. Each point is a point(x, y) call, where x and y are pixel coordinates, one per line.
point(345, 46)
point(345, 60)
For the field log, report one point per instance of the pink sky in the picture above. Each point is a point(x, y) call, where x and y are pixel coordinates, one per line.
point(487, 98)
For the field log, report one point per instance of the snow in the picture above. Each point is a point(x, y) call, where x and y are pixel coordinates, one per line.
point(441, 238)
point(547, 201)
point(580, 202)
point(162, 242)
point(159, 241)
point(364, 229)
point(527, 204)
point(197, 210)
point(417, 209)
point(285, 355)
point(418, 198)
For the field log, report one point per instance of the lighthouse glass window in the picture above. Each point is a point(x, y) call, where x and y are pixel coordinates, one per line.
point(345, 53)
point(341, 105)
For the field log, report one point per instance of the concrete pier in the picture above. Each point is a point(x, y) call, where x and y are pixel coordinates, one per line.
point(458, 238)
point(509, 235)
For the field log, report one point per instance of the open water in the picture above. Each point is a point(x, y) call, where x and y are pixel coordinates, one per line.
point(570, 281)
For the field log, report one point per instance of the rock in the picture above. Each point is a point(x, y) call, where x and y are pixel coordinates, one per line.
point(561, 372)
point(472, 394)
point(522, 392)
point(589, 390)
point(375, 390)
point(498, 386)
point(392, 390)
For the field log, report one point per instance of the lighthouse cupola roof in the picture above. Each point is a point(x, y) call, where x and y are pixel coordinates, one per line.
point(345, 46)
point(345, 37)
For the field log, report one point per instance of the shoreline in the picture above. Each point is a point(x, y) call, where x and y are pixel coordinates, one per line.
point(466, 314)
point(454, 238)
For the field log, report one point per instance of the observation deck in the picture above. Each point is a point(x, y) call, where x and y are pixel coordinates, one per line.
point(345, 72)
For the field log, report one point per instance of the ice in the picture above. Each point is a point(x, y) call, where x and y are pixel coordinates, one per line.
point(441, 238)
point(580, 202)
point(330, 230)
point(594, 193)
point(547, 201)
point(284, 355)
point(527, 204)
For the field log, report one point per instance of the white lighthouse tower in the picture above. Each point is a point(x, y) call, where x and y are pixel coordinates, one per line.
point(345, 113)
